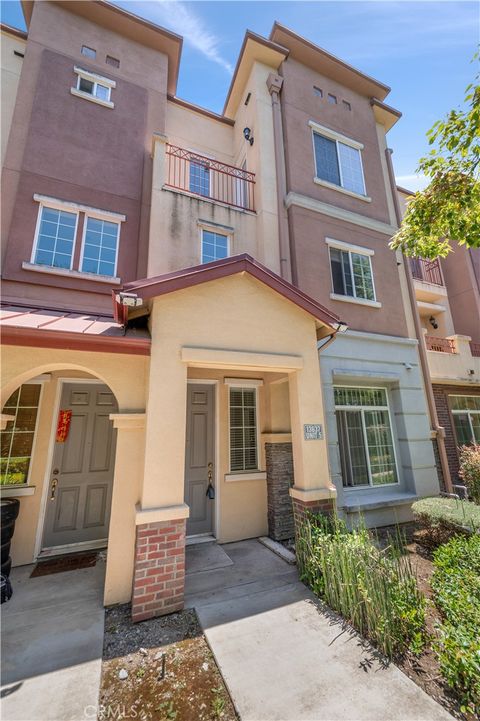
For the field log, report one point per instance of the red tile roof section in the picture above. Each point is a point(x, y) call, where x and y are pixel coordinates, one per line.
point(189, 277)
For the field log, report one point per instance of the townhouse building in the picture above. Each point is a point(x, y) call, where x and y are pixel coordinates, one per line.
point(204, 331)
point(447, 292)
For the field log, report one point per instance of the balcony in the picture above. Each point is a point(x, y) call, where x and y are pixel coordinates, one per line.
point(427, 271)
point(428, 280)
point(206, 178)
point(454, 359)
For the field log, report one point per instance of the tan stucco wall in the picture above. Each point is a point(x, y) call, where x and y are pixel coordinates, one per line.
point(126, 376)
point(11, 67)
point(185, 319)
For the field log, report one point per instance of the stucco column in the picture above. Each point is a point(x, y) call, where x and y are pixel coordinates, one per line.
point(127, 484)
point(312, 488)
point(159, 178)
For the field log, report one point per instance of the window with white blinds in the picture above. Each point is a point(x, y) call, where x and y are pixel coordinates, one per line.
point(243, 429)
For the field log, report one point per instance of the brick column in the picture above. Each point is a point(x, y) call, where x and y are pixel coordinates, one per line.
point(324, 506)
point(279, 465)
point(159, 577)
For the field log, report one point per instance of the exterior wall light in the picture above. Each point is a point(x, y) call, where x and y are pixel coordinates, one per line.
point(433, 322)
point(129, 299)
point(247, 134)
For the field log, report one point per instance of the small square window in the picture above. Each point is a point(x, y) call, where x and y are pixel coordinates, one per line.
point(332, 99)
point(317, 91)
point(86, 86)
point(112, 61)
point(346, 105)
point(89, 52)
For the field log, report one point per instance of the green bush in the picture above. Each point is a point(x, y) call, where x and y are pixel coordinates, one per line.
point(444, 517)
point(374, 590)
point(456, 589)
point(470, 470)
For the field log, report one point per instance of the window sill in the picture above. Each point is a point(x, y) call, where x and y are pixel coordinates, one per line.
point(358, 301)
point(16, 491)
point(332, 186)
point(71, 273)
point(92, 98)
point(248, 476)
point(374, 500)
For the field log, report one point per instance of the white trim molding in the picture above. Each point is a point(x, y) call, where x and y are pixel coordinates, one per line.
point(341, 189)
point(78, 207)
point(113, 280)
point(94, 77)
point(91, 98)
point(348, 247)
point(332, 211)
point(243, 382)
point(358, 301)
point(246, 476)
point(334, 135)
point(17, 491)
point(163, 513)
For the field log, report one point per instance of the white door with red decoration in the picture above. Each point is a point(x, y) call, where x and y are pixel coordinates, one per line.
point(81, 475)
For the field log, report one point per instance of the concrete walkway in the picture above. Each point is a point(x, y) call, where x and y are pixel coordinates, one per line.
point(52, 642)
point(283, 657)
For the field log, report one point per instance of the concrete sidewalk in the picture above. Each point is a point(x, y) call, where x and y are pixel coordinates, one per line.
point(52, 644)
point(285, 658)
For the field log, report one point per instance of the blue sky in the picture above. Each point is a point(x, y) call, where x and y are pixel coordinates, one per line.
point(423, 50)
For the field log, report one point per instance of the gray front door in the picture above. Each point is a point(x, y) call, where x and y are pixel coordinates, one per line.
point(81, 475)
point(199, 457)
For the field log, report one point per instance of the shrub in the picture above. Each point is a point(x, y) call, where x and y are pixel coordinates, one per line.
point(470, 470)
point(444, 517)
point(374, 590)
point(456, 589)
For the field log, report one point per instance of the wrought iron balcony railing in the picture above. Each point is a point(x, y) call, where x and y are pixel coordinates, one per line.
point(427, 270)
point(441, 345)
point(204, 177)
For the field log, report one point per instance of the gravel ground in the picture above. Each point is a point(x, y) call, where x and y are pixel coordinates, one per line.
point(160, 670)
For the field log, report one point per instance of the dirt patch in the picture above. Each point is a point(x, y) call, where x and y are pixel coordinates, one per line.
point(160, 670)
point(424, 669)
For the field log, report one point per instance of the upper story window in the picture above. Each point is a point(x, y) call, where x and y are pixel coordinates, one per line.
point(352, 274)
point(317, 91)
point(18, 437)
point(93, 87)
point(466, 418)
point(89, 52)
point(338, 161)
point(332, 99)
point(214, 246)
point(100, 247)
point(199, 177)
point(57, 238)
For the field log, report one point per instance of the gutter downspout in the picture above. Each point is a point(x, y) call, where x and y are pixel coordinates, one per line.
point(274, 85)
point(438, 430)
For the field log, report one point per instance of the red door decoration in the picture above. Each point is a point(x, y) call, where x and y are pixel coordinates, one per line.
point(63, 425)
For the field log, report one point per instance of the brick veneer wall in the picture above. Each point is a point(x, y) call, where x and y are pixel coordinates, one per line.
point(279, 465)
point(159, 574)
point(441, 393)
point(301, 508)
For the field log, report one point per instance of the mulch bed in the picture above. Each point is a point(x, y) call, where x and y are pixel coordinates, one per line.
point(64, 563)
point(160, 670)
point(423, 670)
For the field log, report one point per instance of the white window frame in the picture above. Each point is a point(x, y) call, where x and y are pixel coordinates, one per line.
point(365, 439)
point(209, 157)
point(41, 382)
point(77, 208)
point(338, 138)
point(99, 216)
point(96, 80)
point(219, 230)
point(359, 250)
point(54, 205)
point(469, 412)
point(247, 383)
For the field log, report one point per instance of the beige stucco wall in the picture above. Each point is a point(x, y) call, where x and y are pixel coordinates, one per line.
point(11, 67)
point(181, 327)
point(126, 376)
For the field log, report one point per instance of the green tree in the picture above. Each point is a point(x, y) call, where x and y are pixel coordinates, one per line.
point(448, 210)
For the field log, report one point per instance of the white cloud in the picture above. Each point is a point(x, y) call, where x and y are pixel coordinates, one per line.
point(177, 16)
point(412, 182)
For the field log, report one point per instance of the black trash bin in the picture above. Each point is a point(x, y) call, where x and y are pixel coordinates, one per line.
point(9, 508)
